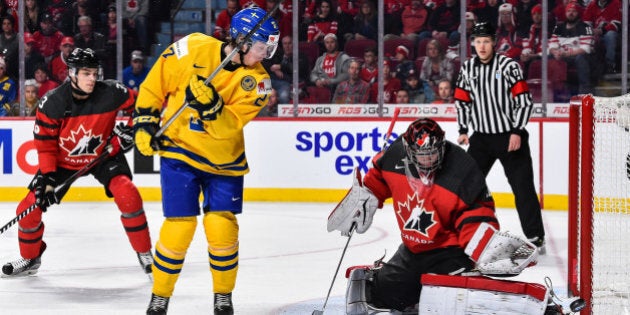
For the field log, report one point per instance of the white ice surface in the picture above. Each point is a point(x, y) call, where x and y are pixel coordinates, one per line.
point(287, 261)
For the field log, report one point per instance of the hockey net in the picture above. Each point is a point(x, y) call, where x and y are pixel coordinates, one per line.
point(599, 202)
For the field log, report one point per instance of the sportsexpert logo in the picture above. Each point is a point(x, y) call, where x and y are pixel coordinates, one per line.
point(348, 149)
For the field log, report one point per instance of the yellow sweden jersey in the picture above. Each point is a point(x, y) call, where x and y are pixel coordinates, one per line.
point(213, 146)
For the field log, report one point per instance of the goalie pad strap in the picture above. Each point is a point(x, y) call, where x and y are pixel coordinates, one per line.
point(535, 290)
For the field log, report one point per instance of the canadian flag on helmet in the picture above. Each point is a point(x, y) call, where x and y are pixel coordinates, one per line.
point(424, 140)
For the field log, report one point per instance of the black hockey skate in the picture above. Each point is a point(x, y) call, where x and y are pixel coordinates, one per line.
point(21, 267)
point(223, 304)
point(146, 261)
point(158, 305)
point(540, 244)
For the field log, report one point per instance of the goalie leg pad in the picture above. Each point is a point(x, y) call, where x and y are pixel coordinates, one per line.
point(455, 295)
point(357, 209)
point(500, 253)
point(356, 295)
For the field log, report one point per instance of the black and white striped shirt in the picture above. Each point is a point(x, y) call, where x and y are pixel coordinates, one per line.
point(493, 98)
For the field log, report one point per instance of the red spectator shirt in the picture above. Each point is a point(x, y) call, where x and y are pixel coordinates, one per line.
point(222, 26)
point(47, 45)
point(509, 43)
point(321, 26)
point(328, 65)
point(607, 18)
point(58, 69)
point(413, 21)
point(368, 75)
point(389, 90)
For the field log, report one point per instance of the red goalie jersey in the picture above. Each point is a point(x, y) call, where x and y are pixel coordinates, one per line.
point(445, 214)
point(70, 133)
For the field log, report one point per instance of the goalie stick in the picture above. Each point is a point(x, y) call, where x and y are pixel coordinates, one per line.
point(391, 128)
point(222, 65)
point(343, 253)
point(353, 227)
point(62, 188)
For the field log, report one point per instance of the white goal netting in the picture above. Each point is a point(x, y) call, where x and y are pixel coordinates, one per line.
point(610, 222)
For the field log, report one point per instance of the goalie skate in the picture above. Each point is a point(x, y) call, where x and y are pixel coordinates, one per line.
point(21, 267)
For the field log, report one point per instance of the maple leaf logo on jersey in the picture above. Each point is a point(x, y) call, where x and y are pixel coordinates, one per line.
point(81, 142)
point(420, 220)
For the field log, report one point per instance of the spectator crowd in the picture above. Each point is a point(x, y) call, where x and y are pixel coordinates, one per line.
point(338, 60)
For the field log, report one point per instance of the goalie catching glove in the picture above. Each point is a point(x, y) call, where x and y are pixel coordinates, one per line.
point(204, 98)
point(499, 253)
point(356, 209)
point(145, 125)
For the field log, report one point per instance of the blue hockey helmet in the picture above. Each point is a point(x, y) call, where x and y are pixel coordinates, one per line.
point(246, 19)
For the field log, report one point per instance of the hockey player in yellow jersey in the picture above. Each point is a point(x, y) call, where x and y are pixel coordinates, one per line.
point(203, 151)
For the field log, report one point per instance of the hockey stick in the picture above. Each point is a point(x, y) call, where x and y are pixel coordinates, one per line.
point(223, 63)
point(316, 312)
point(352, 228)
point(391, 128)
point(62, 188)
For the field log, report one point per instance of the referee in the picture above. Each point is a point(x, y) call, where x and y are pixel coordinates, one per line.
point(491, 96)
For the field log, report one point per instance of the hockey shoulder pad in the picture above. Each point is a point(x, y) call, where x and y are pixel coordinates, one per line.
point(499, 253)
point(356, 209)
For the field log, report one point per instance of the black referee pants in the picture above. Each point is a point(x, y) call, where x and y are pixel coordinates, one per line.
point(486, 149)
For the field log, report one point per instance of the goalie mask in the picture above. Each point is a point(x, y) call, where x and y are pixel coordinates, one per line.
point(265, 39)
point(424, 147)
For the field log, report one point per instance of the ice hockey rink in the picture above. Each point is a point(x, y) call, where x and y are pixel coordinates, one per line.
point(287, 261)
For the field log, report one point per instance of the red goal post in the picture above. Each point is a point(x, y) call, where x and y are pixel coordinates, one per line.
point(599, 203)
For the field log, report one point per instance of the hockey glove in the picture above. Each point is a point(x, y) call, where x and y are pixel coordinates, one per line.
point(500, 254)
point(122, 139)
point(145, 125)
point(356, 210)
point(44, 187)
point(204, 98)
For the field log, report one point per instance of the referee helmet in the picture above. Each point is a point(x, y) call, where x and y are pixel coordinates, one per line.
point(483, 29)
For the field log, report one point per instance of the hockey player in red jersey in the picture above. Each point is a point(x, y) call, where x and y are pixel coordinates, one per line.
point(445, 214)
point(74, 124)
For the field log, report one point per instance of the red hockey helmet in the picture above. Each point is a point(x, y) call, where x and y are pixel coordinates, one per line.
point(424, 145)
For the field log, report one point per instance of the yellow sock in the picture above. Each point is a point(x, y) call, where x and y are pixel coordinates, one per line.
point(222, 234)
point(170, 251)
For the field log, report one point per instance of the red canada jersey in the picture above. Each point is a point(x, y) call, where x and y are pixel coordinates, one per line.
point(445, 214)
point(607, 18)
point(70, 133)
